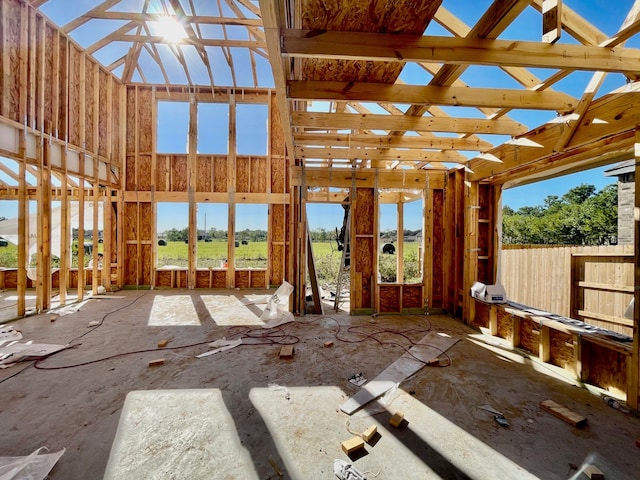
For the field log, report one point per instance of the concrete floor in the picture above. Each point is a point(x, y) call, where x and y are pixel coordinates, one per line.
point(246, 413)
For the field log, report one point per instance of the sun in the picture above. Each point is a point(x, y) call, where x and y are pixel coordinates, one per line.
point(171, 29)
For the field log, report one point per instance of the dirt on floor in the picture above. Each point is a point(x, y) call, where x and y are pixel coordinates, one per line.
point(247, 413)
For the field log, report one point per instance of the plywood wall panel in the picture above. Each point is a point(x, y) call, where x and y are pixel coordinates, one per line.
point(437, 249)
point(130, 221)
point(529, 336)
point(278, 223)
point(131, 265)
point(219, 279)
point(63, 97)
point(131, 183)
point(365, 214)
point(505, 324)
point(163, 164)
point(50, 126)
point(146, 264)
point(90, 106)
point(220, 168)
point(412, 296)
point(258, 279)
point(390, 298)
point(277, 265)
point(259, 175)
point(561, 350)
point(279, 180)
point(179, 173)
point(202, 279)
point(131, 120)
point(606, 368)
point(145, 120)
point(204, 174)
point(144, 173)
point(243, 174)
point(75, 115)
point(117, 142)
point(363, 249)
point(146, 221)
point(12, 10)
point(105, 112)
point(242, 279)
point(275, 129)
point(482, 315)
point(163, 278)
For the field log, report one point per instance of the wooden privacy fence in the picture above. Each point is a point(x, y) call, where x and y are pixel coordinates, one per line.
point(593, 284)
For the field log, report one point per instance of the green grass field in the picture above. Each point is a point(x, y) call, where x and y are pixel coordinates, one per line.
point(254, 255)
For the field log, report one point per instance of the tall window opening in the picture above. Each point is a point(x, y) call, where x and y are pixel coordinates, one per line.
point(172, 228)
point(213, 128)
point(173, 127)
point(213, 225)
point(250, 242)
point(251, 129)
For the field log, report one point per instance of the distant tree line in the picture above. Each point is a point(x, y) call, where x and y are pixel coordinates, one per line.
point(580, 217)
point(182, 235)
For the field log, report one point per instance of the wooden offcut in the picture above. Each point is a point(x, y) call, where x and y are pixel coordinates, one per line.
point(563, 413)
point(397, 419)
point(369, 433)
point(163, 343)
point(352, 445)
point(593, 472)
point(286, 352)
point(156, 362)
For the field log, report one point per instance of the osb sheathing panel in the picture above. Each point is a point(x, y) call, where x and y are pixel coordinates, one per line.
point(278, 223)
point(220, 174)
point(146, 264)
point(131, 265)
point(277, 265)
point(162, 173)
point(242, 279)
point(412, 296)
point(390, 298)
point(484, 201)
point(146, 221)
point(437, 249)
point(363, 247)
point(163, 278)
point(145, 124)
point(365, 213)
point(131, 120)
point(529, 336)
point(131, 183)
point(243, 174)
point(130, 221)
point(105, 113)
point(204, 169)
point(606, 368)
point(505, 324)
point(117, 143)
point(89, 109)
point(483, 272)
point(62, 89)
point(259, 175)
point(278, 175)
point(258, 279)
point(482, 314)
point(11, 48)
point(202, 279)
point(275, 128)
point(144, 173)
point(49, 84)
point(381, 16)
point(219, 279)
point(561, 350)
point(75, 115)
point(179, 173)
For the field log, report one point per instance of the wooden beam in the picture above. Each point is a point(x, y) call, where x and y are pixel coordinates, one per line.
point(190, 19)
point(387, 141)
point(463, 51)
point(81, 20)
point(391, 154)
point(633, 370)
point(551, 21)
point(343, 121)
point(430, 95)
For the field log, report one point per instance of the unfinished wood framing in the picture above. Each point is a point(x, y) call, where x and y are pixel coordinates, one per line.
point(88, 135)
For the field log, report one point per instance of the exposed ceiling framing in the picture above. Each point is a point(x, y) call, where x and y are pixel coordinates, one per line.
point(339, 72)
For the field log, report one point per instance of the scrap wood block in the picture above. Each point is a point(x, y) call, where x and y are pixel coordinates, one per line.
point(563, 413)
point(286, 351)
point(396, 419)
point(352, 445)
point(163, 343)
point(593, 472)
point(369, 433)
point(328, 344)
point(156, 362)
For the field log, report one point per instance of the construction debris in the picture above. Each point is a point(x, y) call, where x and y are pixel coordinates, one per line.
point(220, 345)
point(34, 467)
point(563, 413)
point(346, 471)
point(163, 343)
point(397, 419)
point(156, 362)
point(328, 344)
point(369, 433)
point(352, 445)
point(593, 472)
point(286, 352)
